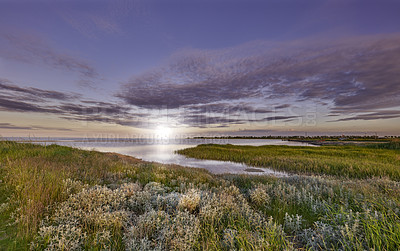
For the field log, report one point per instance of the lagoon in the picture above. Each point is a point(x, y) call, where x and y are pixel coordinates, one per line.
point(162, 150)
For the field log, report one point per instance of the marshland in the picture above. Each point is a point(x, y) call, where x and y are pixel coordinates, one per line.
point(199, 125)
point(336, 198)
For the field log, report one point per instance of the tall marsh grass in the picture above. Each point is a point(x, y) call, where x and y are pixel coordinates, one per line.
point(381, 160)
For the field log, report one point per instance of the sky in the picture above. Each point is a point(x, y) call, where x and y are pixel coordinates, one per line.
point(169, 68)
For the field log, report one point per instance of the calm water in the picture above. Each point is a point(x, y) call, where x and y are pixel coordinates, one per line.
point(163, 151)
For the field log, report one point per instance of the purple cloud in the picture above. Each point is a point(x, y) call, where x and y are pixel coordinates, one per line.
point(350, 75)
point(32, 127)
point(32, 49)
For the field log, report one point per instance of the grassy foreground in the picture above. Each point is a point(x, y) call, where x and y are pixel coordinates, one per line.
point(61, 198)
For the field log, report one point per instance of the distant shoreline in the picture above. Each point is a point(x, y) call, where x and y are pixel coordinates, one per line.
point(337, 143)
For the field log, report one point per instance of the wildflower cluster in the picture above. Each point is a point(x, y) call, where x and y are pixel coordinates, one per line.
point(157, 218)
point(319, 213)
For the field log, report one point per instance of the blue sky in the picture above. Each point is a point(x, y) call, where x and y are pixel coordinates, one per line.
point(131, 68)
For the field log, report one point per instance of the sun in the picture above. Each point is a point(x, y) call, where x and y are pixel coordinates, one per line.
point(163, 131)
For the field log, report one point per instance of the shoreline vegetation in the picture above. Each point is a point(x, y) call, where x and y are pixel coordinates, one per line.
point(380, 160)
point(308, 138)
point(61, 198)
point(318, 140)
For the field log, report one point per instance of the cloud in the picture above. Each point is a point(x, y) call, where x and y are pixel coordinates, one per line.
point(227, 108)
point(208, 121)
point(211, 121)
point(282, 106)
point(67, 106)
point(97, 108)
point(32, 127)
point(274, 118)
point(32, 49)
point(350, 75)
point(190, 79)
point(7, 104)
point(390, 114)
point(11, 126)
point(32, 93)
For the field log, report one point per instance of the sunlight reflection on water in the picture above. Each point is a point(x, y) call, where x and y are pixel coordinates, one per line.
point(164, 152)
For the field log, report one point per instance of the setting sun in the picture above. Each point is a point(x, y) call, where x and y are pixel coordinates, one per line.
point(163, 131)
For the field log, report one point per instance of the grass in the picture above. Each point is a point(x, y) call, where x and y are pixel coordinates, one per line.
point(61, 198)
point(9, 239)
point(34, 176)
point(395, 145)
point(381, 160)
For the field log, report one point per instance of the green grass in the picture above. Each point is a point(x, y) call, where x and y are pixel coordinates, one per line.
point(394, 145)
point(32, 176)
point(60, 197)
point(9, 239)
point(381, 160)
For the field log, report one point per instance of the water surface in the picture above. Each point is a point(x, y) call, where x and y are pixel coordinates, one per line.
point(163, 151)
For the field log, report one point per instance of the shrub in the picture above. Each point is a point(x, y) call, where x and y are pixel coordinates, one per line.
point(190, 200)
point(259, 196)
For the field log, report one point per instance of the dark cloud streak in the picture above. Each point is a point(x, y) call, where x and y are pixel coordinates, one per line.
point(372, 116)
point(6, 85)
point(14, 127)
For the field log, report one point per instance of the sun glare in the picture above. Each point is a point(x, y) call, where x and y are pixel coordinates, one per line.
point(163, 131)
